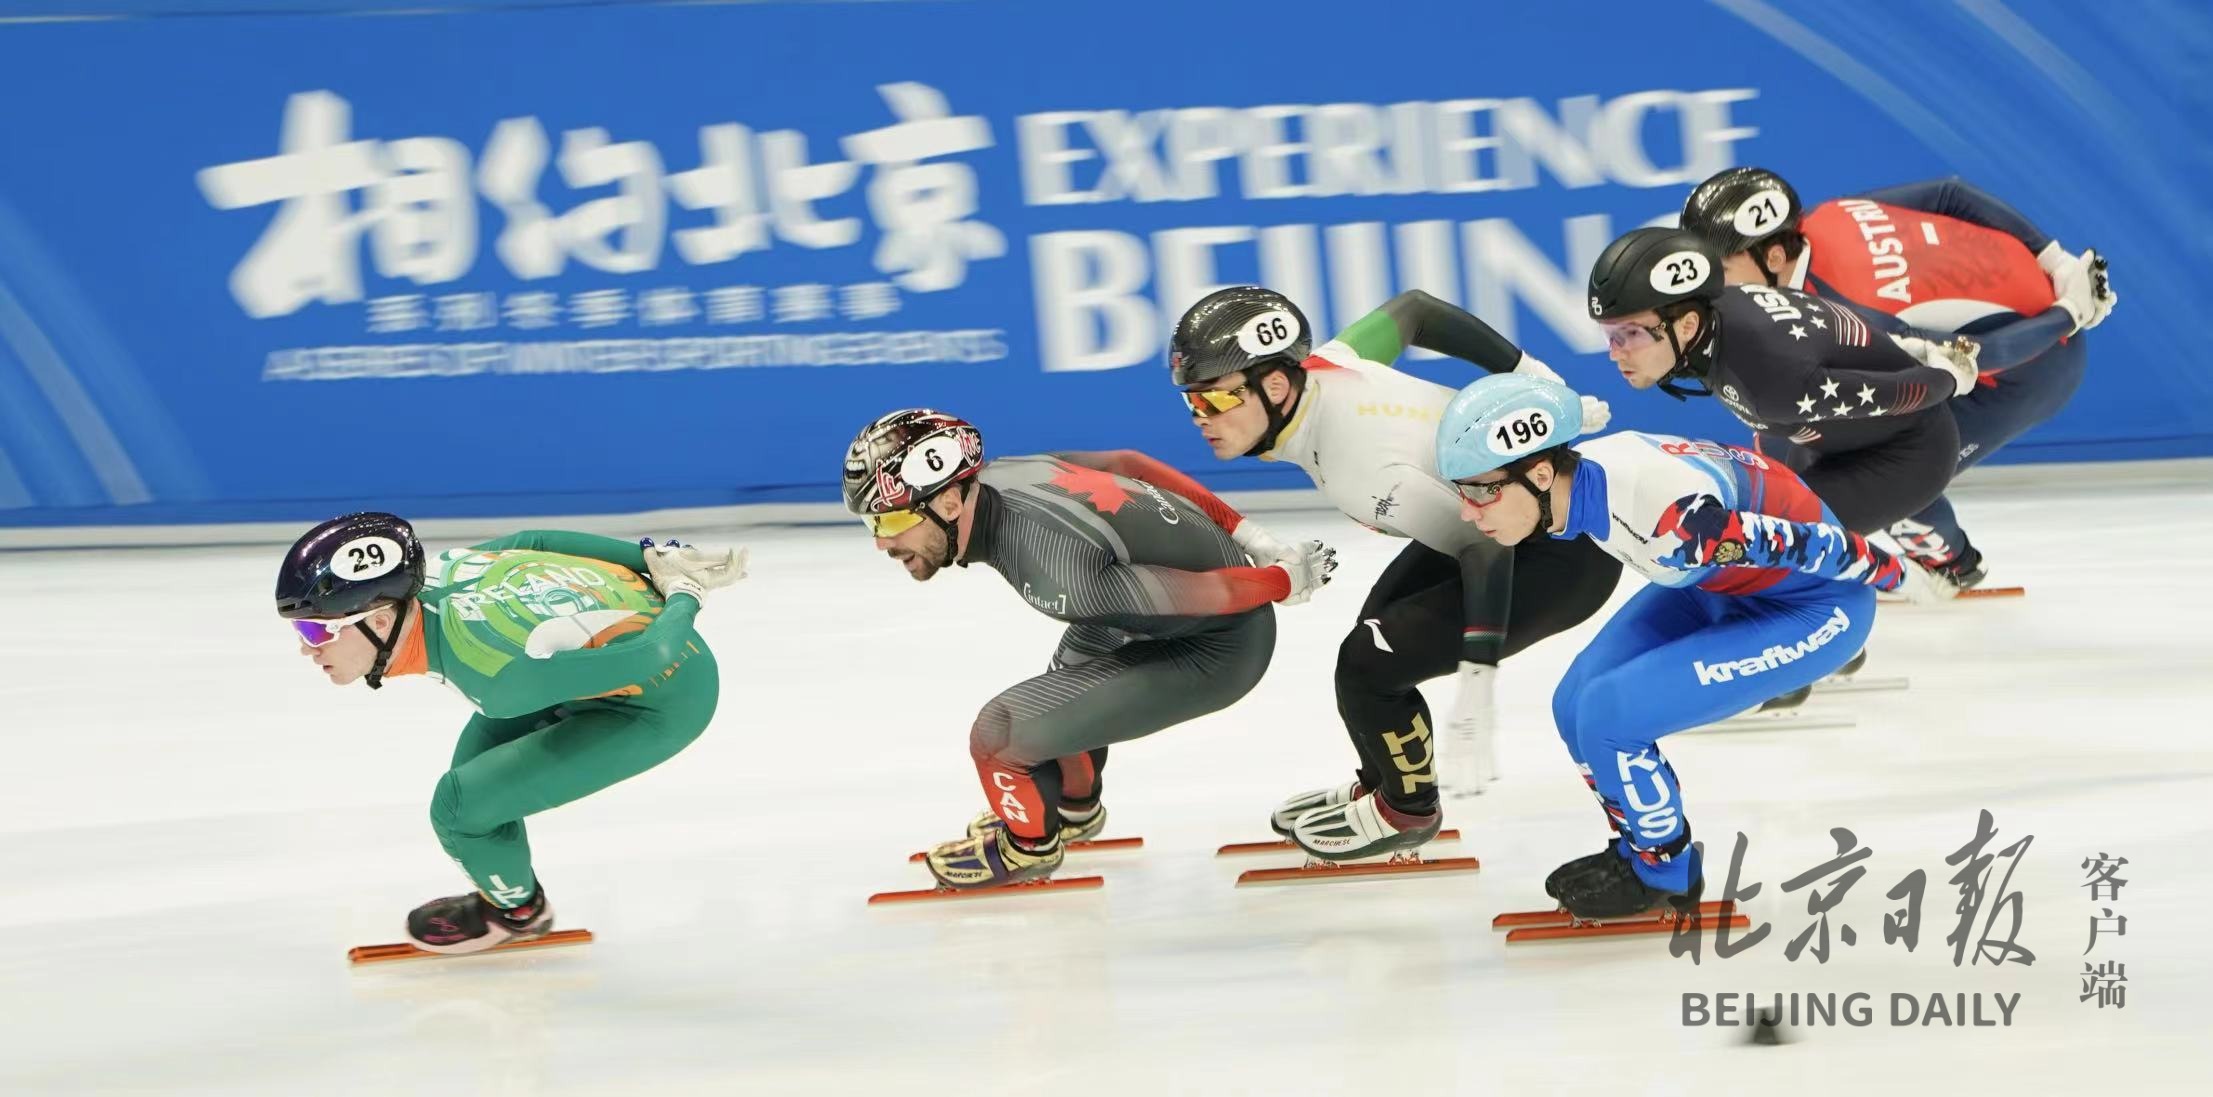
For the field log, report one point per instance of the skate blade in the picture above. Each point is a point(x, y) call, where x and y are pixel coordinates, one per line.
point(1559, 925)
point(1789, 719)
point(1858, 683)
point(924, 895)
point(1239, 849)
point(377, 954)
point(1095, 845)
point(1326, 872)
point(1541, 919)
point(1970, 593)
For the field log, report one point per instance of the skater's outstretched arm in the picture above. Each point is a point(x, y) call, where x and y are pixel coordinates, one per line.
point(1419, 319)
point(590, 546)
point(1150, 599)
point(1956, 197)
point(1139, 466)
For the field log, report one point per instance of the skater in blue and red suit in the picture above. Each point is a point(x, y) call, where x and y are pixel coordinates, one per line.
point(1755, 589)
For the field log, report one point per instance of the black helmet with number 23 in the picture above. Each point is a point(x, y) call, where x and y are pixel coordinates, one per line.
point(1668, 271)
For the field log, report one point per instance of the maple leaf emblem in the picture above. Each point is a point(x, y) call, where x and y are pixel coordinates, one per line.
point(1093, 486)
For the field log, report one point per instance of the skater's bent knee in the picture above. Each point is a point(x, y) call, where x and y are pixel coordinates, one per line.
point(990, 736)
point(449, 811)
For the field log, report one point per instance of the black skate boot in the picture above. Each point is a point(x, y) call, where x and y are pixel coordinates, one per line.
point(1857, 663)
point(1614, 889)
point(470, 923)
point(1573, 875)
point(1965, 570)
point(1790, 700)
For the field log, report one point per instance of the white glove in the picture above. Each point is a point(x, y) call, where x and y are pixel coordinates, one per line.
point(1924, 587)
point(2053, 257)
point(1955, 356)
point(693, 570)
point(1469, 761)
point(2102, 288)
point(1596, 414)
point(1530, 365)
point(1258, 543)
point(2081, 287)
point(1309, 565)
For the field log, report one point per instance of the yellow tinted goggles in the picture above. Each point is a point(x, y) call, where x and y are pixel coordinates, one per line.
point(892, 523)
point(1208, 403)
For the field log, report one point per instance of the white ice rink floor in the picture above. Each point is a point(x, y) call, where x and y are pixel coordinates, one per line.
point(194, 827)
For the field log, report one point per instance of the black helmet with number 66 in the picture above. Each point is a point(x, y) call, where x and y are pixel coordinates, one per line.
point(1239, 328)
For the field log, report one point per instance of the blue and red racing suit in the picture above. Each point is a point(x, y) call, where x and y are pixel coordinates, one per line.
point(1755, 590)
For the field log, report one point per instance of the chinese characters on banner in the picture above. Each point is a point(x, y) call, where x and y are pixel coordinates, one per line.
point(415, 200)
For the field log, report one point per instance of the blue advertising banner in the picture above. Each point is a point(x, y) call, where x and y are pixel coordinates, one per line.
point(537, 259)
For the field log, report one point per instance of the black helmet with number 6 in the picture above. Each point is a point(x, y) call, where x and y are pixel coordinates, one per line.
point(1239, 328)
point(902, 459)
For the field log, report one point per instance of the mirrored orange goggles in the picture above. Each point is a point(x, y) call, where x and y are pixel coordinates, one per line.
point(1208, 403)
point(892, 523)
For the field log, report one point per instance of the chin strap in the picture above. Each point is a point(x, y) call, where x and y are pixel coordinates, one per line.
point(1278, 418)
point(952, 534)
point(1684, 370)
point(385, 645)
point(1544, 503)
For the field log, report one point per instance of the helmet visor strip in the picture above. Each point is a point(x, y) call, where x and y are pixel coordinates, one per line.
point(1208, 403)
point(320, 633)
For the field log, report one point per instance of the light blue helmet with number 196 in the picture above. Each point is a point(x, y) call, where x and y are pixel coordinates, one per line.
point(1503, 418)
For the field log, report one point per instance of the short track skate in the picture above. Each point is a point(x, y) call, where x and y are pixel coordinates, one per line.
point(1033, 887)
point(1529, 927)
point(377, 954)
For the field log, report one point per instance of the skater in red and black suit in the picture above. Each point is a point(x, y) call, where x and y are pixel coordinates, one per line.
point(1941, 257)
point(1167, 618)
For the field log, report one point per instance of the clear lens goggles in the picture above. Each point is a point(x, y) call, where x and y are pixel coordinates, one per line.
point(1627, 336)
point(1483, 493)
